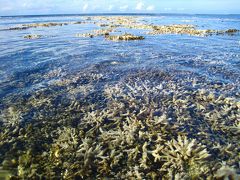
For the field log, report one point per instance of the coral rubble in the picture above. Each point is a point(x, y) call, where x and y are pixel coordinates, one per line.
point(32, 36)
point(37, 25)
point(134, 23)
point(28, 26)
point(112, 23)
point(94, 33)
point(124, 37)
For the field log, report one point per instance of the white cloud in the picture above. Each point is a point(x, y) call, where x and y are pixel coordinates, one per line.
point(85, 7)
point(150, 8)
point(94, 7)
point(168, 9)
point(110, 7)
point(180, 9)
point(140, 6)
point(123, 8)
point(6, 8)
point(25, 5)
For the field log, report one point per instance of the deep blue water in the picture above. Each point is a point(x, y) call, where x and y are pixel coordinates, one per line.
point(217, 58)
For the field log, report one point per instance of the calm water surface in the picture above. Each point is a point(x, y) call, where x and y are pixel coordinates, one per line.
point(69, 103)
point(215, 57)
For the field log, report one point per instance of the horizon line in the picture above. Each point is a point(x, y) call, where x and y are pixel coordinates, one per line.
point(128, 13)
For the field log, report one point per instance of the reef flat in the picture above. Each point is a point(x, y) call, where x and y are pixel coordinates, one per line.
point(143, 113)
point(147, 125)
point(114, 23)
point(124, 37)
point(37, 25)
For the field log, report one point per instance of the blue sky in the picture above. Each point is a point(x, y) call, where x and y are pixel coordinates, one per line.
point(19, 7)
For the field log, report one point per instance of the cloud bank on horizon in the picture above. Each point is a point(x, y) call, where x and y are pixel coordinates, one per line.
point(17, 7)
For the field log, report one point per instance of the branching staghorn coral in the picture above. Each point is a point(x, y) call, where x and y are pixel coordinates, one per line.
point(226, 172)
point(183, 154)
point(11, 116)
point(147, 125)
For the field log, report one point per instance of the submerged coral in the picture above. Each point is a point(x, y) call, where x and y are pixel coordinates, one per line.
point(5, 175)
point(187, 156)
point(11, 116)
point(226, 172)
point(146, 125)
point(106, 122)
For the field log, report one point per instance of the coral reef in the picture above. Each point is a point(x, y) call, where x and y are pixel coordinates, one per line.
point(5, 175)
point(226, 172)
point(185, 156)
point(188, 29)
point(37, 25)
point(112, 23)
point(106, 122)
point(146, 125)
point(124, 37)
point(134, 23)
point(28, 26)
point(32, 36)
point(11, 116)
point(95, 33)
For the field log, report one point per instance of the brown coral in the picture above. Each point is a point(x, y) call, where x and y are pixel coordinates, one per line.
point(124, 37)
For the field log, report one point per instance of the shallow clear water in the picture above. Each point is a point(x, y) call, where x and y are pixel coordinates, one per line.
point(84, 107)
point(216, 57)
